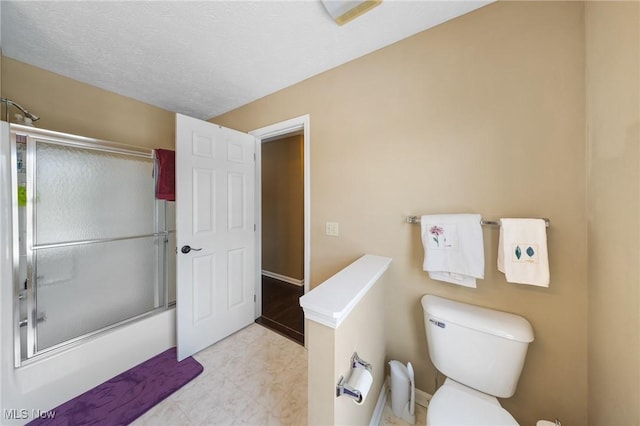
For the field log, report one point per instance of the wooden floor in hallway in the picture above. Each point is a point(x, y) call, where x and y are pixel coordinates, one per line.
point(281, 311)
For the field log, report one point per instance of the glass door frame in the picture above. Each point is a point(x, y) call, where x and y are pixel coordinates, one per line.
point(33, 135)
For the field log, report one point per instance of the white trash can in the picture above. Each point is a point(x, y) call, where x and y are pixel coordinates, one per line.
point(403, 391)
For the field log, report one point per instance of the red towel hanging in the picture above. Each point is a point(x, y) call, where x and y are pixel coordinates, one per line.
point(166, 182)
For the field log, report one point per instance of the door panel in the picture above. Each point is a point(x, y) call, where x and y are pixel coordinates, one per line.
point(204, 201)
point(204, 273)
point(237, 202)
point(237, 261)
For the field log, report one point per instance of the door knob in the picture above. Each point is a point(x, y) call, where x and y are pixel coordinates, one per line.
point(187, 249)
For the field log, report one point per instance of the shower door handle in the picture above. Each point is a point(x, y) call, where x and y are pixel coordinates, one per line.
point(41, 318)
point(187, 249)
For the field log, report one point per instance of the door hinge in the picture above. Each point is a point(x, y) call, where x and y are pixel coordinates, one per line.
point(254, 156)
point(254, 227)
point(254, 298)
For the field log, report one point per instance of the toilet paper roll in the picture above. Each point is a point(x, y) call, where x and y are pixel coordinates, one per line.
point(361, 380)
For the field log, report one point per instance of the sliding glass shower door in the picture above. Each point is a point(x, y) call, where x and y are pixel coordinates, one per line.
point(95, 236)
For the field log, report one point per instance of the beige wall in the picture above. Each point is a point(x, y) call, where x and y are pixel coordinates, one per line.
point(69, 106)
point(283, 207)
point(613, 122)
point(482, 114)
point(330, 352)
point(321, 389)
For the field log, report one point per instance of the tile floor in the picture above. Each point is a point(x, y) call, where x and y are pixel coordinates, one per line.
point(254, 377)
point(388, 419)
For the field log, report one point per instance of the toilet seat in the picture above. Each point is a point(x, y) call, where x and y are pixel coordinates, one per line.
point(454, 404)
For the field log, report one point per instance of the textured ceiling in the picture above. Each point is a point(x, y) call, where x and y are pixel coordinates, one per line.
point(203, 58)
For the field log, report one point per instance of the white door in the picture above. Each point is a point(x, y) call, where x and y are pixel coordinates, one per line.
point(215, 233)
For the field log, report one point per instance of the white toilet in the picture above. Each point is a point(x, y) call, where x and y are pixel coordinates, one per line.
point(482, 352)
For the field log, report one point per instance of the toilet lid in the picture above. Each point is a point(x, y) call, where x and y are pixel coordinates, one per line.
point(454, 404)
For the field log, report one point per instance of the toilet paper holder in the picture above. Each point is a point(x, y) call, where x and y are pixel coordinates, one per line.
point(343, 388)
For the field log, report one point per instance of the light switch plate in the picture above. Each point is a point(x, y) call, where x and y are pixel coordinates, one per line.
point(332, 229)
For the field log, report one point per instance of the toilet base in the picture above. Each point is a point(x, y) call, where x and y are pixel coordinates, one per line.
point(456, 404)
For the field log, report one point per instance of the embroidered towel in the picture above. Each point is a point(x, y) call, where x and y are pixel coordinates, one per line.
point(453, 248)
point(522, 251)
point(166, 169)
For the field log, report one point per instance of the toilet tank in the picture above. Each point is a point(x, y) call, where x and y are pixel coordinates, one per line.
point(478, 347)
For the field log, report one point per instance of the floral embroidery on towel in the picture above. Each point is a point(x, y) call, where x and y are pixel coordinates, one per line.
point(437, 231)
point(440, 233)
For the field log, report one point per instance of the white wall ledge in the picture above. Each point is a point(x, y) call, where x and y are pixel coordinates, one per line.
point(332, 301)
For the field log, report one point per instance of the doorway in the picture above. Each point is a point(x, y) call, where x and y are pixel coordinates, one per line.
point(283, 225)
point(283, 235)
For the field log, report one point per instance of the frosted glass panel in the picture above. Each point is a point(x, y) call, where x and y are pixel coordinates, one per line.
point(84, 194)
point(87, 287)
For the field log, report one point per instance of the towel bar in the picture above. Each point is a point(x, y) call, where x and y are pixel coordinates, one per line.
point(416, 219)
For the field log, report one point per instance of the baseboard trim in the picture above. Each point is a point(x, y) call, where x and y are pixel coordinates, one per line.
point(376, 417)
point(422, 399)
point(284, 278)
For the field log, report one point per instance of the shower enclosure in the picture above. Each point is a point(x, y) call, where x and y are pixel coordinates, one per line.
point(90, 239)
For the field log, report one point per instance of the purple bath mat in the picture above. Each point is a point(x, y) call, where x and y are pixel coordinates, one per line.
point(124, 398)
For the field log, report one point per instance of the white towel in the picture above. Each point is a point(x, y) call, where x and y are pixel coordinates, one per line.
point(522, 251)
point(453, 248)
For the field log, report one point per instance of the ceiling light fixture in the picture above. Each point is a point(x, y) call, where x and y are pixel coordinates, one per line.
point(343, 11)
